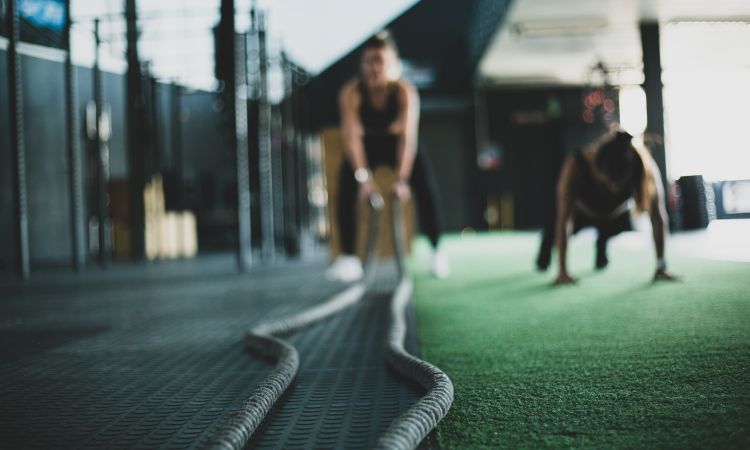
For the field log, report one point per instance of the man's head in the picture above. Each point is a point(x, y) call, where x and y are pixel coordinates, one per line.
point(379, 60)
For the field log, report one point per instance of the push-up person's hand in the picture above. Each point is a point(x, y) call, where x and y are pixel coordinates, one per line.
point(663, 275)
point(563, 278)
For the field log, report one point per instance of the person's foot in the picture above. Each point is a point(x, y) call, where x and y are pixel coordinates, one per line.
point(601, 259)
point(663, 275)
point(345, 268)
point(542, 261)
point(439, 266)
point(564, 279)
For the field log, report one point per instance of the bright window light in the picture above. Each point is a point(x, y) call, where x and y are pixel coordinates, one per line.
point(706, 93)
point(177, 37)
point(633, 109)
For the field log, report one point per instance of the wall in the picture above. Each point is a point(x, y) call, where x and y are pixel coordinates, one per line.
point(206, 154)
point(535, 128)
point(6, 174)
point(445, 136)
point(46, 160)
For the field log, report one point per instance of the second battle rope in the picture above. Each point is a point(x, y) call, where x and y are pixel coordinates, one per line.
point(411, 427)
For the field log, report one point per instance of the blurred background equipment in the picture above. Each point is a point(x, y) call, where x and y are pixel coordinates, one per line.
point(165, 181)
point(146, 97)
point(226, 101)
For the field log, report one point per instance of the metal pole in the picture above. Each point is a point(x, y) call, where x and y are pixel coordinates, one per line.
point(154, 125)
point(77, 222)
point(268, 246)
point(102, 157)
point(277, 180)
point(652, 85)
point(304, 213)
point(176, 103)
point(15, 103)
point(291, 177)
point(135, 107)
point(244, 226)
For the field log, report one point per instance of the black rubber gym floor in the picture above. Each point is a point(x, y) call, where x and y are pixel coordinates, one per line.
point(152, 357)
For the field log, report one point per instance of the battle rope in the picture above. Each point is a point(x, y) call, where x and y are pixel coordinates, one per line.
point(411, 427)
point(406, 431)
point(241, 424)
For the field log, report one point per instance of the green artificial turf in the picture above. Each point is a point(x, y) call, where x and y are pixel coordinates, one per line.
point(614, 361)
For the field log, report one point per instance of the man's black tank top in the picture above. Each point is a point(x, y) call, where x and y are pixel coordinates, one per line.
point(380, 145)
point(594, 196)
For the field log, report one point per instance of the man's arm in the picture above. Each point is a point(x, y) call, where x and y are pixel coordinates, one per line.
point(562, 224)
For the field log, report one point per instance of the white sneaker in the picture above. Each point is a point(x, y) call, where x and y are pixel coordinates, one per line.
point(439, 266)
point(346, 268)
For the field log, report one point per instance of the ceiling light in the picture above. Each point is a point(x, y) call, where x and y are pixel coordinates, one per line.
point(541, 28)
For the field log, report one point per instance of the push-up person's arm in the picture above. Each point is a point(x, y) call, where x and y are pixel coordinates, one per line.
point(564, 219)
point(658, 215)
